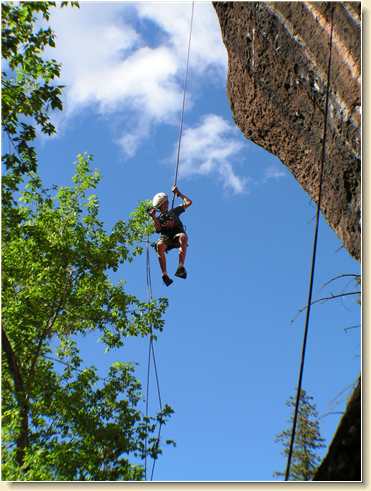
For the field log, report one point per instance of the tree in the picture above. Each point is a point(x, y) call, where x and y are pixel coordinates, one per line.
point(69, 424)
point(29, 93)
point(28, 84)
point(308, 440)
point(61, 421)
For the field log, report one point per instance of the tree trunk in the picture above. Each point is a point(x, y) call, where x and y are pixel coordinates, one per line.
point(20, 393)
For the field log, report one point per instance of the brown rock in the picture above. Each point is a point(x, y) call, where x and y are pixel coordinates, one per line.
point(278, 62)
point(343, 460)
point(278, 56)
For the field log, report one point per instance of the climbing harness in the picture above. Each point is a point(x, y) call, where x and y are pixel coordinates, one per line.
point(151, 351)
point(287, 474)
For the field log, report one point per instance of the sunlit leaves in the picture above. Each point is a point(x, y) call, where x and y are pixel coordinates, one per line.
point(57, 283)
point(29, 91)
point(62, 420)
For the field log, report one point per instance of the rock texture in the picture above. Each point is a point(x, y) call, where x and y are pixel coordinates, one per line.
point(278, 62)
point(278, 56)
point(343, 460)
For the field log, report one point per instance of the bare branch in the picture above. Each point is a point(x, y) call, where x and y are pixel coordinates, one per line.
point(339, 249)
point(351, 327)
point(346, 389)
point(331, 412)
point(323, 299)
point(338, 277)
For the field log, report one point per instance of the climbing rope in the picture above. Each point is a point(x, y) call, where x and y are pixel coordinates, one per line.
point(183, 105)
point(151, 351)
point(287, 475)
point(151, 355)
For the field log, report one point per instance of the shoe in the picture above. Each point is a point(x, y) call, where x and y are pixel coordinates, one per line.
point(165, 278)
point(181, 272)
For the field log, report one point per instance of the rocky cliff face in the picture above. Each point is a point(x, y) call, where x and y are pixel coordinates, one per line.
point(278, 56)
point(343, 460)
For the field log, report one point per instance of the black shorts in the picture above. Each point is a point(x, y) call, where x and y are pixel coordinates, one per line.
point(170, 242)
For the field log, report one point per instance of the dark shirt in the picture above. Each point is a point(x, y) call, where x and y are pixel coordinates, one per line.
point(170, 222)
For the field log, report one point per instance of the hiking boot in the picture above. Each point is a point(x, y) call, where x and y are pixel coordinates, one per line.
point(165, 278)
point(181, 272)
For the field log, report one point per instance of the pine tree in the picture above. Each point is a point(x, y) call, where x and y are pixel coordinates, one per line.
point(308, 441)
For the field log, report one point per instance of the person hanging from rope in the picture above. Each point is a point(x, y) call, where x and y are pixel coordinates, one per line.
point(171, 230)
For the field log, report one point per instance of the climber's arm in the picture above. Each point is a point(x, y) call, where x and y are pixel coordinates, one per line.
point(186, 201)
point(157, 224)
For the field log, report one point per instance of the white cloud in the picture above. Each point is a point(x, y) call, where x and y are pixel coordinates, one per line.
point(134, 134)
point(110, 65)
point(106, 63)
point(90, 39)
point(128, 83)
point(209, 149)
point(207, 49)
point(273, 172)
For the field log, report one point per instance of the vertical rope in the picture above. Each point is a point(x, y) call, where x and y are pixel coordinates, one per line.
point(147, 404)
point(287, 475)
point(151, 354)
point(160, 404)
point(183, 105)
point(148, 268)
point(149, 294)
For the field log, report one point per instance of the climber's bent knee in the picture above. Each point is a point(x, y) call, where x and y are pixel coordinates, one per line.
point(161, 247)
point(183, 239)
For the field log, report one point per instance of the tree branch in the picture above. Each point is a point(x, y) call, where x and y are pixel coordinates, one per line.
point(323, 299)
point(331, 412)
point(340, 276)
point(49, 326)
point(351, 327)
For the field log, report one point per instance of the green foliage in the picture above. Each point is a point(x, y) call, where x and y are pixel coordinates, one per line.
point(56, 284)
point(28, 86)
point(308, 440)
point(61, 420)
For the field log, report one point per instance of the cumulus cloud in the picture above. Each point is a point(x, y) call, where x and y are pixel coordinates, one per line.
point(209, 149)
point(207, 49)
point(110, 65)
point(106, 63)
point(136, 73)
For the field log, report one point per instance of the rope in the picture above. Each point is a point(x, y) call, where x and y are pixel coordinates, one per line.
point(151, 354)
point(160, 404)
point(183, 105)
point(151, 351)
point(313, 256)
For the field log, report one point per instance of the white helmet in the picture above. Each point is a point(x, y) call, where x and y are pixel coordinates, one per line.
point(158, 199)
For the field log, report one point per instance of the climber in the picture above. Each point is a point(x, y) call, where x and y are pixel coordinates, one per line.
point(171, 230)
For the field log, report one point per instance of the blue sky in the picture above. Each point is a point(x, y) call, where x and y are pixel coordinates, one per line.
point(228, 358)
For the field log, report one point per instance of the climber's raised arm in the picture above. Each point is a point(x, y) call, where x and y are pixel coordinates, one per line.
point(186, 201)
